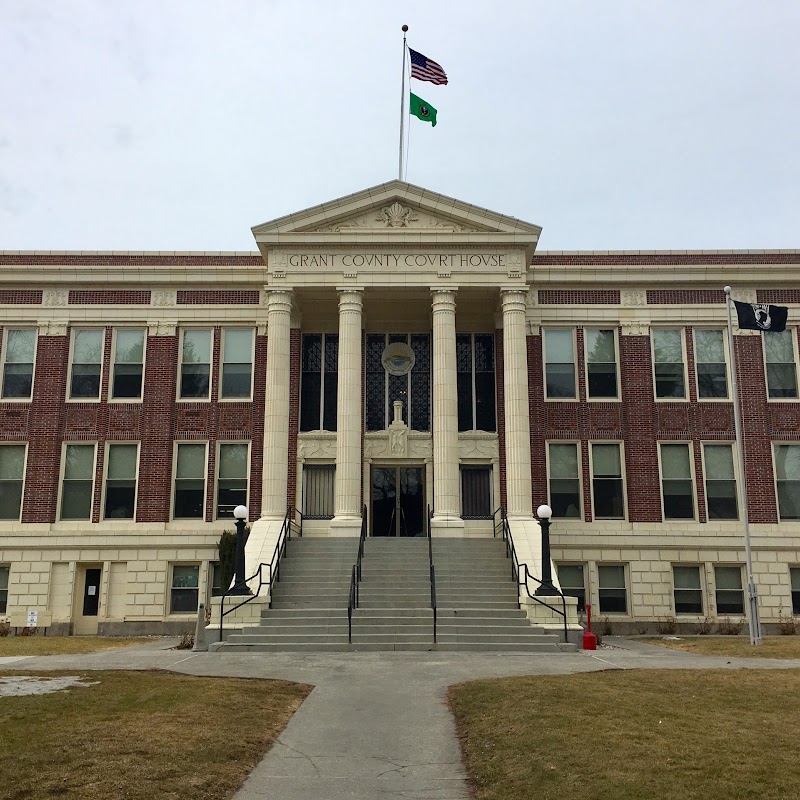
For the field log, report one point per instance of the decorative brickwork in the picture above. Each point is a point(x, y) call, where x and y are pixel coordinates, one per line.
point(21, 297)
point(131, 260)
point(222, 297)
point(109, 297)
point(566, 297)
point(660, 259)
point(778, 296)
point(685, 297)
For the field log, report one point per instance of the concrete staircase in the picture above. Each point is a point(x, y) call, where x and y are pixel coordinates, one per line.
point(476, 598)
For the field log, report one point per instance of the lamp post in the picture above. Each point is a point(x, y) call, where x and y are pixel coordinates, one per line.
point(239, 586)
point(546, 589)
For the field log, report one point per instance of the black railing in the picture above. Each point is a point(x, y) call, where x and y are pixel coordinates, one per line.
point(355, 577)
point(361, 539)
point(271, 568)
point(432, 571)
point(520, 572)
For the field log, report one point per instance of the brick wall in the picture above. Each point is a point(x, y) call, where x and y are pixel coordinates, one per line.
point(562, 297)
point(109, 297)
point(224, 297)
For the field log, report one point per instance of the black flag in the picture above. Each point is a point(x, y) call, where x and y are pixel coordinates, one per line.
point(761, 317)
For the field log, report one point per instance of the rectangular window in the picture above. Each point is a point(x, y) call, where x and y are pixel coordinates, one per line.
point(571, 578)
point(709, 356)
point(232, 469)
point(318, 481)
point(787, 475)
point(668, 363)
point(677, 485)
point(476, 492)
point(4, 571)
point(190, 481)
point(794, 575)
point(319, 384)
point(613, 595)
point(12, 474)
point(237, 364)
point(730, 597)
point(195, 364)
point(601, 363)
point(128, 364)
point(608, 493)
point(559, 360)
point(688, 591)
point(476, 382)
point(78, 484)
point(19, 356)
point(185, 587)
point(565, 485)
point(779, 352)
point(121, 469)
point(216, 579)
point(721, 500)
point(87, 363)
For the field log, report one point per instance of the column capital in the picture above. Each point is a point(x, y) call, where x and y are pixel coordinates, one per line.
point(514, 298)
point(279, 300)
point(444, 299)
point(351, 298)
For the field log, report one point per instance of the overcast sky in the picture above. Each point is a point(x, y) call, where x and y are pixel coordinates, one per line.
point(176, 125)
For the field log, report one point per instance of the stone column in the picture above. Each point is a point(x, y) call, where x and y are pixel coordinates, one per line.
point(517, 424)
point(347, 497)
point(276, 411)
point(446, 493)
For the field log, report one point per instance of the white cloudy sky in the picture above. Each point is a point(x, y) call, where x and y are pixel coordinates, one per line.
point(177, 124)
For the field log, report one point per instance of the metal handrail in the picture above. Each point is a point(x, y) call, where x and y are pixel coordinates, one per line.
point(518, 570)
point(352, 604)
point(361, 539)
point(273, 568)
point(432, 573)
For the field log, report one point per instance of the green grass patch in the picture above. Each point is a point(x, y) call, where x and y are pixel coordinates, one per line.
point(63, 645)
point(632, 735)
point(738, 646)
point(140, 736)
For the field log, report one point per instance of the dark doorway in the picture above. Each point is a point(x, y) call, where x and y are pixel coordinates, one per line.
point(398, 501)
point(91, 593)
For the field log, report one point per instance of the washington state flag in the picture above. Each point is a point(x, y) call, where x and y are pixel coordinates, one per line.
point(422, 110)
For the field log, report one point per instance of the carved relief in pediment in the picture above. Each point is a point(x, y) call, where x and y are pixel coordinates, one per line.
point(396, 217)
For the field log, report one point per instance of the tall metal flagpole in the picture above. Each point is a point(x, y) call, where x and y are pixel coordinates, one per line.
point(752, 591)
point(402, 107)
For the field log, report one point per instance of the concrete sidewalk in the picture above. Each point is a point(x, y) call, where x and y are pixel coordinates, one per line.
point(376, 724)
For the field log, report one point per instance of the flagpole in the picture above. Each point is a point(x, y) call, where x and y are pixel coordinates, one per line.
point(752, 590)
point(402, 107)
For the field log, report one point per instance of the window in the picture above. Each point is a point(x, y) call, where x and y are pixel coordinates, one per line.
point(787, 475)
point(19, 355)
point(383, 389)
point(677, 486)
point(78, 484)
point(607, 489)
point(216, 579)
point(668, 363)
point(570, 576)
point(126, 382)
point(319, 384)
point(779, 352)
point(121, 471)
point(237, 364)
point(4, 570)
point(190, 481)
point(730, 597)
point(234, 460)
point(601, 363)
point(185, 583)
point(794, 575)
point(318, 482)
point(688, 591)
point(559, 361)
point(12, 474)
point(476, 492)
point(721, 500)
point(195, 364)
point(565, 486)
point(87, 363)
point(612, 591)
point(709, 355)
point(475, 375)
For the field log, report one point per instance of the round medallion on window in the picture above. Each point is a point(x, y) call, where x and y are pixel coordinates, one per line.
point(398, 358)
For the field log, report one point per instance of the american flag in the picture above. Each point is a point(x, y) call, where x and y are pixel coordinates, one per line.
point(426, 69)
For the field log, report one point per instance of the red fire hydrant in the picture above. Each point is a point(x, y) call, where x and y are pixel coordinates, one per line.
point(589, 639)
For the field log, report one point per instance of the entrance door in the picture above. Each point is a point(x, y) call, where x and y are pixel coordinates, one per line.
point(87, 600)
point(398, 501)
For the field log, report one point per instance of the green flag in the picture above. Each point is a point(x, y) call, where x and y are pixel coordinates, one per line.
point(422, 110)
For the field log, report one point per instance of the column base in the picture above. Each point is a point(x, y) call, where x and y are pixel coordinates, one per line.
point(345, 526)
point(447, 525)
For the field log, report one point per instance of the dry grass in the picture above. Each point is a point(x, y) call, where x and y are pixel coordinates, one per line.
point(632, 735)
point(63, 645)
point(739, 646)
point(140, 736)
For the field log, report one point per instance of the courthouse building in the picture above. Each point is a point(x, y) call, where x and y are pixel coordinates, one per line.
point(388, 351)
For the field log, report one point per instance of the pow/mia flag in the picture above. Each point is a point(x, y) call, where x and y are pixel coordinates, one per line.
point(761, 316)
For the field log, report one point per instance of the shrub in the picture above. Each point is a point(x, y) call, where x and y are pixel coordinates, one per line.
point(787, 626)
point(728, 628)
point(605, 630)
point(186, 642)
point(667, 627)
point(704, 627)
point(5, 629)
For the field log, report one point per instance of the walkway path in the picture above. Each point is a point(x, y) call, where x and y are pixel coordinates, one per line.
point(376, 725)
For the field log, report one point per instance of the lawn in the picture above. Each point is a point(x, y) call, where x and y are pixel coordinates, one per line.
point(632, 735)
point(63, 645)
point(140, 736)
point(772, 647)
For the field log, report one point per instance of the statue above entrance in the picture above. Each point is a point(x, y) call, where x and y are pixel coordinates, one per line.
point(398, 433)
